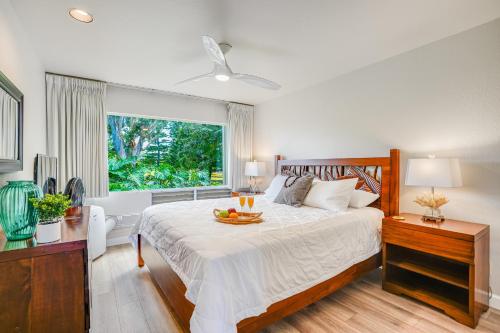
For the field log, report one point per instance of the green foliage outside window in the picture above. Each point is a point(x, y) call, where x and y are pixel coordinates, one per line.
point(148, 153)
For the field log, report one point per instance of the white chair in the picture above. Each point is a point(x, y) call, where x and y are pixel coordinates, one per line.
point(99, 227)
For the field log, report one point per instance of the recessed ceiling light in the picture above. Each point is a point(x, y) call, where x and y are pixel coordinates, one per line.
point(81, 15)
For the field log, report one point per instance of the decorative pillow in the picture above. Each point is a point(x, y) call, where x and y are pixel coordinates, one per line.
point(361, 184)
point(295, 190)
point(371, 182)
point(331, 195)
point(275, 187)
point(360, 198)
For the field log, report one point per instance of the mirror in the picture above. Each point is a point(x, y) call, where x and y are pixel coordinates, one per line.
point(46, 173)
point(11, 126)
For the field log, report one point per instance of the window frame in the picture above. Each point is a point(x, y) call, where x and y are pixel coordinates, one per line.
point(225, 149)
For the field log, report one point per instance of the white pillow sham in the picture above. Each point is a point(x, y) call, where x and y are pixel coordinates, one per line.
point(331, 195)
point(360, 198)
point(275, 187)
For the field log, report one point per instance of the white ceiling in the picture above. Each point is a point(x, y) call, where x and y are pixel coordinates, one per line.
point(297, 43)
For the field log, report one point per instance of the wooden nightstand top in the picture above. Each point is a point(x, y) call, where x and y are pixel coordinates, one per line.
point(450, 228)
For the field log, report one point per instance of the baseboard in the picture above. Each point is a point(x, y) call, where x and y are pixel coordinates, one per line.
point(117, 241)
point(495, 301)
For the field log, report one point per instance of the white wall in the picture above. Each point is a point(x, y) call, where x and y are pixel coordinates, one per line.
point(20, 64)
point(126, 207)
point(443, 98)
point(163, 105)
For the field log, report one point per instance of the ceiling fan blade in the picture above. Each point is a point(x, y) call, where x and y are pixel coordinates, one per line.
point(257, 81)
point(213, 50)
point(196, 78)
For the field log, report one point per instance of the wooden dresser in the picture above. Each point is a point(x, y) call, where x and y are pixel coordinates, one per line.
point(45, 287)
point(445, 265)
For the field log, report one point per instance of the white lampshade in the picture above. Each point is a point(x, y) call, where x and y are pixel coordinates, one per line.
point(255, 169)
point(433, 172)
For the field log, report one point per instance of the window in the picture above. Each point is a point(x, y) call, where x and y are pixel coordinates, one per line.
point(145, 153)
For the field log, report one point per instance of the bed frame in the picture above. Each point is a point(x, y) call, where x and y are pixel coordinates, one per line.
point(173, 290)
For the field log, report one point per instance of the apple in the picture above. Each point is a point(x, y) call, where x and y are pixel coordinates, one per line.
point(231, 210)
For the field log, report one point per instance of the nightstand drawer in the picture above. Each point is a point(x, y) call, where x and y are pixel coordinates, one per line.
point(456, 249)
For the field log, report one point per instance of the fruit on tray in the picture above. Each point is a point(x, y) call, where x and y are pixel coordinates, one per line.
point(231, 210)
point(223, 216)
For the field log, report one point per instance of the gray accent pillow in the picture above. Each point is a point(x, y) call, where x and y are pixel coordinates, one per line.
point(295, 190)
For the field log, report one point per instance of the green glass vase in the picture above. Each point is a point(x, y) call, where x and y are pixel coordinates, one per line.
point(18, 217)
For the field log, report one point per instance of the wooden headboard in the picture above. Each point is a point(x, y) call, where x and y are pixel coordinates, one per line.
point(384, 169)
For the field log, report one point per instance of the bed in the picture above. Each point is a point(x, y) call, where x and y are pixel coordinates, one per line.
point(223, 278)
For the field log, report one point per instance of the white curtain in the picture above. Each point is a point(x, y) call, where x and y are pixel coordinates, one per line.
point(240, 136)
point(77, 131)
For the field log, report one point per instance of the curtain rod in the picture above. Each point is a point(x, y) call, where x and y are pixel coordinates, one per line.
point(172, 93)
point(75, 77)
point(166, 92)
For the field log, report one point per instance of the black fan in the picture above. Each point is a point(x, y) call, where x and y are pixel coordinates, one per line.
point(50, 186)
point(75, 191)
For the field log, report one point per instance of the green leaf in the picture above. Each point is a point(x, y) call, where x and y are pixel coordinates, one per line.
point(51, 206)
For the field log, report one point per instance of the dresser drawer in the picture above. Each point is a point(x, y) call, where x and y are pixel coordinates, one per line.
point(452, 248)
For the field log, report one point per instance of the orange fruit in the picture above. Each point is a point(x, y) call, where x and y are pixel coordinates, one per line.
point(233, 215)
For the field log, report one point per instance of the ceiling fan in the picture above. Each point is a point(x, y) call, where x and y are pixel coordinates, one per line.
point(222, 71)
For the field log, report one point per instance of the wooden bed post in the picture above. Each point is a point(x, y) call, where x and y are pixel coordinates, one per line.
point(276, 164)
point(140, 261)
point(394, 189)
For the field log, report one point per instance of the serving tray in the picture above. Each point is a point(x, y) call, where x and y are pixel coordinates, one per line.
point(243, 218)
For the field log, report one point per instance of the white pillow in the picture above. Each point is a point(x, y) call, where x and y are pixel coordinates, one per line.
point(275, 187)
point(360, 199)
point(331, 195)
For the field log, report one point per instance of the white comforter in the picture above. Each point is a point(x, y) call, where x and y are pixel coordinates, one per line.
point(235, 272)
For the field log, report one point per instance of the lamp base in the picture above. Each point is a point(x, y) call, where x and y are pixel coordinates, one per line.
point(433, 215)
point(433, 219)
point(254, 189)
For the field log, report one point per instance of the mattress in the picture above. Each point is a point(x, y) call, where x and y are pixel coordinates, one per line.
point(235, 272)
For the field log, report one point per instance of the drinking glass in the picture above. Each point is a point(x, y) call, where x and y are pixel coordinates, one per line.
point(242, 201)
point(250, 202)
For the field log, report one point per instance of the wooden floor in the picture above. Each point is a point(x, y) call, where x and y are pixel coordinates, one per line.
point(126, 300)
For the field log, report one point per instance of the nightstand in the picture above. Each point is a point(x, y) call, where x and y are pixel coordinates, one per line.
point(445, 265)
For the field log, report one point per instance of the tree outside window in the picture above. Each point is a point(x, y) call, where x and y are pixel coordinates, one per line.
point(146, 154)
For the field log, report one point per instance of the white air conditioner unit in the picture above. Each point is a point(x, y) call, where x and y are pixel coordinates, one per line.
point(99, 227)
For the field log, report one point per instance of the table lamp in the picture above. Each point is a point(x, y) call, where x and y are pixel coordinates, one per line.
point(433, 172)
point(253, 170)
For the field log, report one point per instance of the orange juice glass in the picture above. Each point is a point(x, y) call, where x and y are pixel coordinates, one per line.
point(242, 201)
point(250, 202)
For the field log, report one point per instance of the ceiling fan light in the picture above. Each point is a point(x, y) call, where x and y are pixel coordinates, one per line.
point(222, 77)
point(81, 15)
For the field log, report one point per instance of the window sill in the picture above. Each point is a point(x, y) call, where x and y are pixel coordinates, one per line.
point(179, 189)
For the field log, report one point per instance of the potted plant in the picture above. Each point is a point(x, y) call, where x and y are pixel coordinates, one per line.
point(51, 209)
